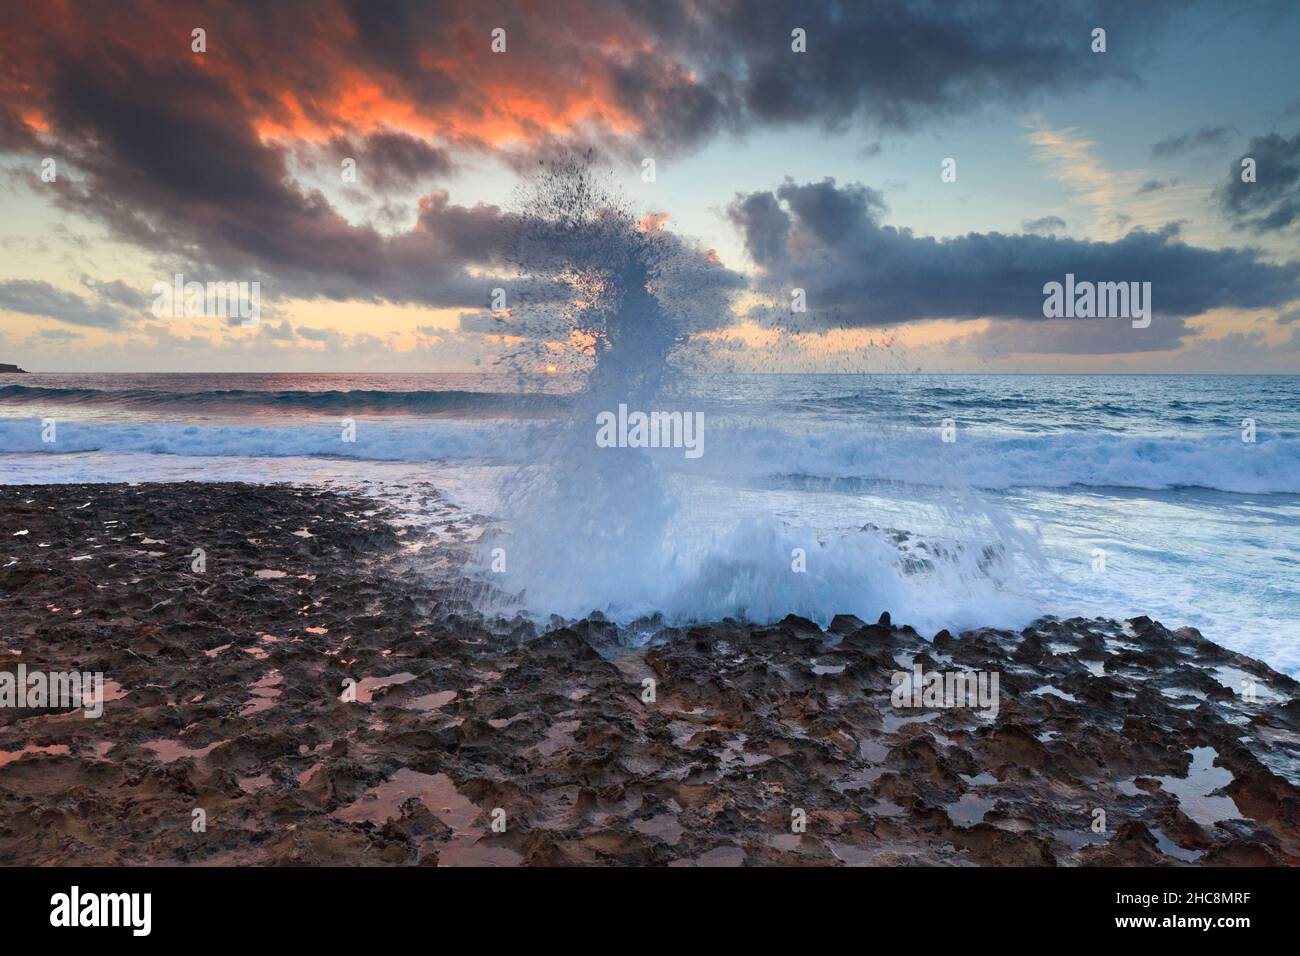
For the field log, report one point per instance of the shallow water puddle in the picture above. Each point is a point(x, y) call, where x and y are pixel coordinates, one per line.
point(1170, 848)
point(820, 669)
point(265, 692)
point(664, 827)
point(892, 722)
point(437, 699)
point(969, 809)
point(169, 751)
point(9, 756)
point(1176, 692)
point(1130, 789)
point(110, 692)
point(439, 794)
point(1245, 685)
point(886, 808)
point(1078, 839)
point(1194, 790)
point(860, 779)
point(1049, 689)
point(436, 791)
point(872, 750)
point(367, 686)
point(785, 841)
point(850, 855)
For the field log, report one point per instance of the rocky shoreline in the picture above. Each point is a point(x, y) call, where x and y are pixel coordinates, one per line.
point(313, 695)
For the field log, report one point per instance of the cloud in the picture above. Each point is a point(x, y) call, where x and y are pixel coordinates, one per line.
point(1272, 202)
point(117, 292)
point(316, 335)
point(1155, 185)
point(168, 156)
point(765, 225)
point(830, 241)
point(36, 297)
point(60, 335)
point(1075, 337)
point(1047, 225)
point(891, 65)
point(282, 332)
point(1204, 138)
point(390, 161)
point(194, 156)
point(1118, 198)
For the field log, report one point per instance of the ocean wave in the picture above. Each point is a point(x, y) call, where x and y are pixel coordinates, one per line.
point(237, 401)
point(1270, 465)
point(1044, 460)
point(381, 440)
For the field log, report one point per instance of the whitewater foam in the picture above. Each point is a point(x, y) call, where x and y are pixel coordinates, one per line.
point(750, 452)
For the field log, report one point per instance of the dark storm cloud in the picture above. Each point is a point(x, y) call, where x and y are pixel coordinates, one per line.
point(35, 297)
point(890, 65)
point(191, 155)
point(170, 163)
point(1272, 202)
point(392, 161)
point(165, 153)
point(764, 223)
point(1192, 140)
point(858, 272)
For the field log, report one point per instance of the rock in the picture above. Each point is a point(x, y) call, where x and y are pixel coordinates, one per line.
point(845, 624)
point(556, 726)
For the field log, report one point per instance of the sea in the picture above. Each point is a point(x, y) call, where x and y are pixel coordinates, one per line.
point(951, 501)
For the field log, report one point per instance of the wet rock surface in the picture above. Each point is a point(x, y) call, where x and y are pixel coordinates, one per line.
point(323, 698)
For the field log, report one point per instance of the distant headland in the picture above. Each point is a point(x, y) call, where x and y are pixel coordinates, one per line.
point(10, 369)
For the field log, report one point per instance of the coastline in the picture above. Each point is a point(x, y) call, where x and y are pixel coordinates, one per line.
point(225, 687)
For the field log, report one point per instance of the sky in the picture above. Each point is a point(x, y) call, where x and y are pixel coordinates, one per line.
point(363, 162)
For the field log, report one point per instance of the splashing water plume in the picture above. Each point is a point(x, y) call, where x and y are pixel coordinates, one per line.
point(589, 528)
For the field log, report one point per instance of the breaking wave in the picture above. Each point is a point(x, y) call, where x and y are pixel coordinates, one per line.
point(757, 453)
